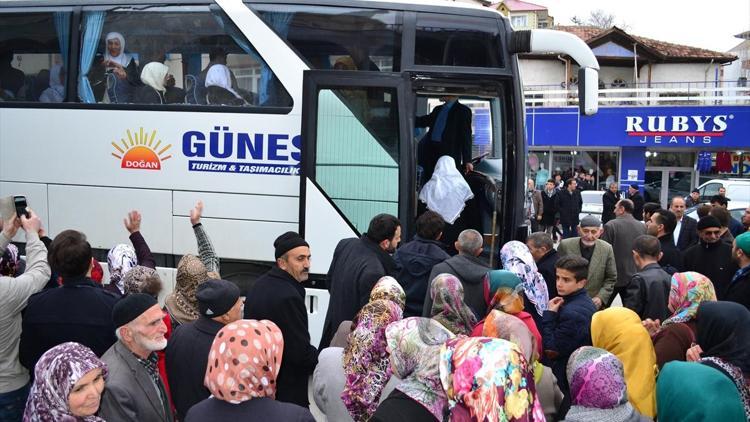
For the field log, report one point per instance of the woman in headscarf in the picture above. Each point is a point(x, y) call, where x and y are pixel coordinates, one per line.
point(620, 332)
point(448, 307)
point(219, 89)
point(488, 379)
point(414, 344)
point(366, 363)
point(120, 260)
point(503, 291)
point(10, 261)
point(691, 392)
point(68, 384)
point(723, 337)
point(446, 192)
point(597, 388)
point(182, 305)
point(122, 66)
point(677, 333)
point(154, 77)
point(241, 374)
point(517, 259)
point(56, 91)
point(507, 327)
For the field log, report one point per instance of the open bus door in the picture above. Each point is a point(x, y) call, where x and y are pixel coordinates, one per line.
point(357, 156)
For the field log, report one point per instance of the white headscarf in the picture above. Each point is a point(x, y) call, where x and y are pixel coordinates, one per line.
point(153, 75)
point(123, 59)
point(446, 192)
point(219, 75)
point(56, 91)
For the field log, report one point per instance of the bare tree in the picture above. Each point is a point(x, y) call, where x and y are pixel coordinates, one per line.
point(598, 18)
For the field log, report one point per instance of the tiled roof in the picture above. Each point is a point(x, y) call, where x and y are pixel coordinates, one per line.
point(666, 49)
point(521, 6)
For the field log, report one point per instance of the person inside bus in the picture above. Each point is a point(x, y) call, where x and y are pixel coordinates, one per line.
point(217, 55)
point(11, 78)
point(449, 134)
point(56, 91)
point(219, 87)
point(158, 86)
point(123, 67)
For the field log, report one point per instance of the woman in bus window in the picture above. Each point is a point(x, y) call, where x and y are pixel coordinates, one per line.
point(122, 66)
point(158, 86)
point(219, 87)
point(56, 91)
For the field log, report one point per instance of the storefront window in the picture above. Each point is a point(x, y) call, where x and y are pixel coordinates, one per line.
point(669, 159)
point(537, 167)
point(562, 164)
point(602, 165)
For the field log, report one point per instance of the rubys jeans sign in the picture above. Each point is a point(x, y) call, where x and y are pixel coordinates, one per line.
point(666, 126)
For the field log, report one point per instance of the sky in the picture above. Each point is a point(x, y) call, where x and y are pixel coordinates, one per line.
point(706, 24)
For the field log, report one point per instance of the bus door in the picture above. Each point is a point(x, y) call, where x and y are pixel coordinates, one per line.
point(356, 158)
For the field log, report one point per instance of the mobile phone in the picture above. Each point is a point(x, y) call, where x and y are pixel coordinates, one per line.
point(21, 204)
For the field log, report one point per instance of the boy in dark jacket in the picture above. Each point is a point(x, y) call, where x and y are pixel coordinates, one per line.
point(566, 324)
point(648, 292)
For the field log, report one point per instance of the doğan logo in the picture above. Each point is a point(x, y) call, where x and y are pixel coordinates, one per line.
point(140, 152)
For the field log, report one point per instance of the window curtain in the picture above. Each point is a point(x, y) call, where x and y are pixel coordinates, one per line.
point(279, 22)
point(62, 27)
point(93, 22)
point(228, 26)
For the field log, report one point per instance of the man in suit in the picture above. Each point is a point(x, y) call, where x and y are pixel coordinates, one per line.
point(602, 268)
point(449, 134)
point(609, 200)
point(621, 234)
point(569, 205)
point(135, 391)
point(686, 229)
point(661, 225)
point(634, 194)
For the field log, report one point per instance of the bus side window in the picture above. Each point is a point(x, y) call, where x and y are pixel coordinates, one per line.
point(447, 40)
point(173, 55)
point(31, 65)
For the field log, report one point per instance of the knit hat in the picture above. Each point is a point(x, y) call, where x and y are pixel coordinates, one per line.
point(590, 221)
point(695, 191)
point(288, 241)
point(216, 297)
point(708, 221)
point(743, 242)
point(131, 307)
point(634, 186)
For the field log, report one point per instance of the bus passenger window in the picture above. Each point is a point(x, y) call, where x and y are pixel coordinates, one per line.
point(173, 55)
point(32, 67)
point(448, 40)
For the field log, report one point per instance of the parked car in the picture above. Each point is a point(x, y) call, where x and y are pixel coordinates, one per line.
point(592, 203)
point(737, 189)
point(736, 209)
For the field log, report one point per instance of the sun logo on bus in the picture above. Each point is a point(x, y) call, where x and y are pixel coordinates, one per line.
point(140, 151)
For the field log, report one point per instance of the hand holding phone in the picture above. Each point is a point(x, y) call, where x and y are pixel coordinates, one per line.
point(21, 204)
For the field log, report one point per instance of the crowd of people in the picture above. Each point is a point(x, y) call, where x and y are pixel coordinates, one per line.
point(411, 333)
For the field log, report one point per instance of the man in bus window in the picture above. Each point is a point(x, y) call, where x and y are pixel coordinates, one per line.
point(449, 134)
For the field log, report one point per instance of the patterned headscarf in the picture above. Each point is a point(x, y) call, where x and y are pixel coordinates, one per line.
point(387, 288)
point(507, 327)
point(415, 343)
point(517, 259)
point(488, 379)
point(120, 260)
point(502, 291)
point(55, 375)
point(448, 307)
point(182, 303)
point(366, 363)
point(244, 361)
point(9, 261)
point(687, 292)
point(137, 281)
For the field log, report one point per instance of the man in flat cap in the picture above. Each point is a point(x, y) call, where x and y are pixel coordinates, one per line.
point(621, 234)
point(602, 268)
point(278, 296)
point(219, 303)
point(134, 391)
point(711, 257)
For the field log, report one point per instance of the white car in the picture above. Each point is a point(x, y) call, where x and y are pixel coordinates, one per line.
point(737, 189)
point(592, 203)
point(736, 209)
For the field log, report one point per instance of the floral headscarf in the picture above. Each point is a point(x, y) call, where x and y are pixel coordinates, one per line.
point(507, 327)
point(244, 361)
point(55, 374)
point(138, 280)
point(502, 291)
point(448, 307)
point(9, 261)
point(182, 303)
point(387, 288)
point(488, 379)
point(414, 344)
point(688, 290)
point(597, 379)
point(366, 362)
point(517, 259)
point(120, 260)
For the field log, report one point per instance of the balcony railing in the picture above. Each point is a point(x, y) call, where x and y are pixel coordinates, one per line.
point(642, 94)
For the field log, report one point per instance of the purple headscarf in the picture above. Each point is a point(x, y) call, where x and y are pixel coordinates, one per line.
point(9, 261)
point(448, 307)
point(54, 377)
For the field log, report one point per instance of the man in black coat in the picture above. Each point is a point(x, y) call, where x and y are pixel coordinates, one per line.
point(219, 304)
point(569, 205)
point(278, 296)
point(549, 206)
point(739, 287)
point(662, 224)
point(543, 250)
point(449, 134)
point(609, 199)
point(80, 310)
point(357, 264)
point(416, 259)
point(686, 231)
point(711, 257)
point(648, 291)
point(634, 194)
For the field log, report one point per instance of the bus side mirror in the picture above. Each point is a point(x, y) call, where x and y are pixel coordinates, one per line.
point(588, 91)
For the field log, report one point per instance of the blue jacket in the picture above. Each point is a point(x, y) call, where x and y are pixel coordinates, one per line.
point(565, 331)
point(416, 259)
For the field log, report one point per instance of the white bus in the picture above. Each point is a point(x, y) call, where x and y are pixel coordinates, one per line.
point(312, 131)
